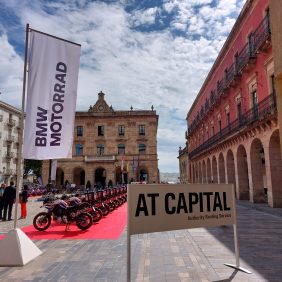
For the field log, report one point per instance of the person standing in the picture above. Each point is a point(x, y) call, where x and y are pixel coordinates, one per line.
point(2, 188)
point(24, 196)
point(9, 198)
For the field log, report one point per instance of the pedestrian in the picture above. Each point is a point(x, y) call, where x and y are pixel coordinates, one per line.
point(24, 196)
point(2, 188)
point(9, 198)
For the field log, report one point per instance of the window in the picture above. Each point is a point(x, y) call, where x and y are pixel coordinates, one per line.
point(121, 149)
point(79, 131)
point(212, 130)
point(121, 130)
point(219, 125)
point(255, 98)
point(100, 150)
point(100, 130)
point(78, 150)
point(142, 148)
point(239, 110)
point(272, 84)
point(228, 118)
point(141, 129)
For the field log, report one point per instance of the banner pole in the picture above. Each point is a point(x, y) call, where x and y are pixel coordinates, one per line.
point(128, 240)
point(20, 136)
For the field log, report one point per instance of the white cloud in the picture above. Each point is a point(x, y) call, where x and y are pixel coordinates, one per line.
point(131, 67)
point(144, 17)
point(11, 72)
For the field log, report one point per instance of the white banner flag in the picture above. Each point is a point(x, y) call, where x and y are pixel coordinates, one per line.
point(51, 97)
point(54, 169)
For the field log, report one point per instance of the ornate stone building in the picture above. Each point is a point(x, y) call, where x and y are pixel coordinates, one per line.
point(120, 146)
point(234, 125)
point(9, 141)
point(183, 165)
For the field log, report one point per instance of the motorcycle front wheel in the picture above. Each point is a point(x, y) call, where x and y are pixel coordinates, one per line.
point(42, 221)
point(105, 209)
point(84, 221)
point(96, 215)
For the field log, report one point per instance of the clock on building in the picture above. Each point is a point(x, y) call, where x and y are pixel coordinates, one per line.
point(100, 108)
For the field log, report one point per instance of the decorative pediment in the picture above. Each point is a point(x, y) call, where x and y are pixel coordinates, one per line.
point(101, 105)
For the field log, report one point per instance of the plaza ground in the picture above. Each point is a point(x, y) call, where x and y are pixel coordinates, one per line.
point(185, 255)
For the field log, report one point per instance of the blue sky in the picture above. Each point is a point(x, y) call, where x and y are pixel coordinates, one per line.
point(138, 52)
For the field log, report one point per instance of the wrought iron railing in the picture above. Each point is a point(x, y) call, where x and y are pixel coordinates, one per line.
point(259, 112)
point(262, 33)
point(248, 52)
point(9, 155)
point(11, 122)
point(229, 75)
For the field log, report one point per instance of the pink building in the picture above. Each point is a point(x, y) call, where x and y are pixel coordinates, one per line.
point(233, 128)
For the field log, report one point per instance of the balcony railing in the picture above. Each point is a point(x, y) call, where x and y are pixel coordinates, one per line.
point(242, 59)
point(262, 33)
point(97, 158)
point(11, 122)
point(9, 171)
point(259, 112)
point(9, 155)
point(10, 138)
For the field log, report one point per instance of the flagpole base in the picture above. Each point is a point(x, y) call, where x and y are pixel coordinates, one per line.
point(17, 249)
point(238, 268)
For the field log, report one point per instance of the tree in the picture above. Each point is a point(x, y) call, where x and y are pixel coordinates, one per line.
point(34, 165)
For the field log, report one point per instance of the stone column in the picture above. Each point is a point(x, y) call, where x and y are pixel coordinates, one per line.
point(276, 40)
point(236, 177)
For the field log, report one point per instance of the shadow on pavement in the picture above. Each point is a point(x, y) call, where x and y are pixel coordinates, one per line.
point(260, 241)
point(228, 279)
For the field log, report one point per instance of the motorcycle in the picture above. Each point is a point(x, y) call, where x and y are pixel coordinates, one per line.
point(61, 212)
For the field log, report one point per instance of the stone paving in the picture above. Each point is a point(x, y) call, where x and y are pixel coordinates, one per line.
point(183, 255)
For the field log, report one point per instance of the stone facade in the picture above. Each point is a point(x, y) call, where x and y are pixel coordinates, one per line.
point(120, 146)
point(9, 141)
point(183, 165)
point(234, 125)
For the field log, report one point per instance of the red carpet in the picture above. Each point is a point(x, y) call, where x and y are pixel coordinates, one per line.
point(109, 227)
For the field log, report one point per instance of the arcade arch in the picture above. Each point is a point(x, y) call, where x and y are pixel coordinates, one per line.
point(208, 171)
point(243, 176)
point(230, 169)
point(275, 162)
point(258, 171)
point(221, 169)
point(100, 176)
point(214, 170)
point(78, 176)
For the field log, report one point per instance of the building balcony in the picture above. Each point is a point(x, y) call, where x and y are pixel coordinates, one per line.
point(11, 122)
point(260, 112)
point(10, 139)
point(259, 41)
point(100, 158)
point(9, 155)
point(9, 172)
point(262, 35)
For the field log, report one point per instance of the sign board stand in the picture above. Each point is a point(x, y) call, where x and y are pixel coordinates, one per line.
point(236, 245)
point(159, 192)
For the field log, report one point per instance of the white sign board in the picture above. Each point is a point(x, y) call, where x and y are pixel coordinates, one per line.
point(153, 208)
point(51, 97)
point(160, 207)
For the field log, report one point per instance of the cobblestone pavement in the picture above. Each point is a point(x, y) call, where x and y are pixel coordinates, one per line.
point(184, 255)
